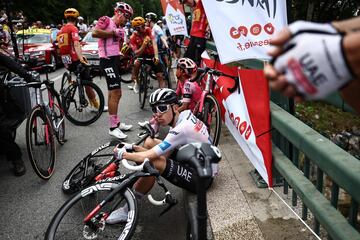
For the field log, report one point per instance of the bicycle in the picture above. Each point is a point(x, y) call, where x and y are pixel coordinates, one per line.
point(204, 158)
point(83, 216)
point(209, 111)
point(78, 107)
point(144, 79)
point(166, 65)
point(95, 166)
point(45, 121)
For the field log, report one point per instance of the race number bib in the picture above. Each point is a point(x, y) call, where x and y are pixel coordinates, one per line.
point(66, 59)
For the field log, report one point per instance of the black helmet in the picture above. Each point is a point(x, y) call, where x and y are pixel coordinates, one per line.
point(163, 96)
point(151, 16)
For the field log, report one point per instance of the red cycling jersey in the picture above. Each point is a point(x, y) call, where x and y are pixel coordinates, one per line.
point(66, 37)
point(136, 40)
point(199, 22)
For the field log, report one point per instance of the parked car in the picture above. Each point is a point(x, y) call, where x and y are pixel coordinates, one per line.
point(36, 48)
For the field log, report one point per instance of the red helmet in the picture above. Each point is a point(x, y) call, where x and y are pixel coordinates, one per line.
point(188, 65)
point(124, 8)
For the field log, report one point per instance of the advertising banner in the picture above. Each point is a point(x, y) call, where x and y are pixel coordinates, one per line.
point(246, 113)
point(242, 28)
point(175, 17)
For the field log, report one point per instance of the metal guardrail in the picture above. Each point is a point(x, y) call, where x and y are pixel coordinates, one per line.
point(343, 168)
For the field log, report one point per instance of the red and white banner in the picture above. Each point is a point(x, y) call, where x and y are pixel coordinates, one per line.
point(242, 28)
point(246, 114)
point(175, 17)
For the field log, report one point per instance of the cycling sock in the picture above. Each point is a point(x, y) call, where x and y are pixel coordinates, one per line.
point(113, 121)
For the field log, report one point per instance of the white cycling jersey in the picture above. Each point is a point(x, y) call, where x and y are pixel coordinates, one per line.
point(188, 129)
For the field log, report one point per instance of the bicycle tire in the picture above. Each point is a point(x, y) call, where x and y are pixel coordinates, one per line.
point(44, 143)
point(213, 122)
point(68, 222)
point(59, 119)
point(87, 169)
point(65, 81)
point(81, 113)
point(143, 87)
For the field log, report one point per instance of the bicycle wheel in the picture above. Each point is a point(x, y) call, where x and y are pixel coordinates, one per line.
point(211, 116)
point(40, 143)
point(143, 87)
point(78, 107)
point(87, 169)
point(68, 223)
point(65, 81)
point(58, 120)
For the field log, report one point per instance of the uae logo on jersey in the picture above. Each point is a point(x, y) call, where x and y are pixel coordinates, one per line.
point(164, 145)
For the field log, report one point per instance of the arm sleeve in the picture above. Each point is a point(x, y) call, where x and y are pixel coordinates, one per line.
point(103, 22)
point(175, 138)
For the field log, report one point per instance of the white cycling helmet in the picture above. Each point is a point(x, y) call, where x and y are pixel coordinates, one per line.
point(188, 65)
point(163, 96)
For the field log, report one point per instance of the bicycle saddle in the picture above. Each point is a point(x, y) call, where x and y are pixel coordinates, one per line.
point(200, 156)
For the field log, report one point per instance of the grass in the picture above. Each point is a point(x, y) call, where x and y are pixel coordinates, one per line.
point(327, 119)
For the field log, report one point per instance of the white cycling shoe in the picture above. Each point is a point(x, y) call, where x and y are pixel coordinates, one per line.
point(125, 127)
point(119, 215)
point(117, 133)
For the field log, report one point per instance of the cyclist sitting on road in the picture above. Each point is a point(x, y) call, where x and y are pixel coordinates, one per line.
point(189, 90)
point(111, 37)
point(184, 128)
point(159, 36)
point(70, 50)
point(144, 45)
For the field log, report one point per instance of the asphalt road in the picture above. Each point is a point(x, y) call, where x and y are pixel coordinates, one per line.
point(28, 203)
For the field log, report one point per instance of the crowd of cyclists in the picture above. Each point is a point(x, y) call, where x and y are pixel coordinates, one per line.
point(148, 37)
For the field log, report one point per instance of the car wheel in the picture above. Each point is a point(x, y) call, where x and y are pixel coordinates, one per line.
point(53, 62)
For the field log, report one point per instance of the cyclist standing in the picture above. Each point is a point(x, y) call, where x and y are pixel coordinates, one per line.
point(144, 45)
point(111, 36)
point(199, 28)
point(70, 50)
point(184, 128)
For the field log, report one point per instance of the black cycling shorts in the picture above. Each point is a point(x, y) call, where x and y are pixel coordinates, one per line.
point(110, 67)
point(84, 75)
point(157, 68)
point(195, 49)
point(182, 175)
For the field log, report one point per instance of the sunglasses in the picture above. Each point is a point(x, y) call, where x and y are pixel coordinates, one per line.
point(138, 28)
point(126, 15)
point(160, 108)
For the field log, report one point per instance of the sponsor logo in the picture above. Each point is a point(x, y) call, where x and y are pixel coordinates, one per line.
point(264, 5)
point(173, 132)
point(183, 173)
point(95, 188)
point(110, 72)
point(242, 127)
point(164, 145)
point(100, 148)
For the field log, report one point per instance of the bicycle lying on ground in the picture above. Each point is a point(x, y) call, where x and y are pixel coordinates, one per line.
point(83, 216)
point(82, 100)
point(45, 121)
point(209, 111)
point(100, 163)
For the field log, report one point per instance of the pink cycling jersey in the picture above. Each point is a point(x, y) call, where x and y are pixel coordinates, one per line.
point(110, 46)
point(190, 92)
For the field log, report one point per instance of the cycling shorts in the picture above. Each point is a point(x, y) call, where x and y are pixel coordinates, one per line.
point(182, 175)
point(110, 67)
point(157, 68)
point(84, 75)
point(195, 49)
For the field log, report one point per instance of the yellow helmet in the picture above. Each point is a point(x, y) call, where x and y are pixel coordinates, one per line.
point(138, 21)
point(125, 49)
point(71, 12)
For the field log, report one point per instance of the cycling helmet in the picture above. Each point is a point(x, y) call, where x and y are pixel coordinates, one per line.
point(138, 21)
point(80, 18)
point(188, 65)
point(151, 16)
point(125, 49)
point(159, 22)
point(71, 13)
point(163, 96)
point(124, 7)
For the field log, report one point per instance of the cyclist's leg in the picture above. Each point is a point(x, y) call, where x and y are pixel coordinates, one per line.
point(135, 72)
point(158, 69)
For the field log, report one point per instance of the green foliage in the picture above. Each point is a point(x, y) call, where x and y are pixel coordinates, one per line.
point(51, 11)
point(322, 10)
